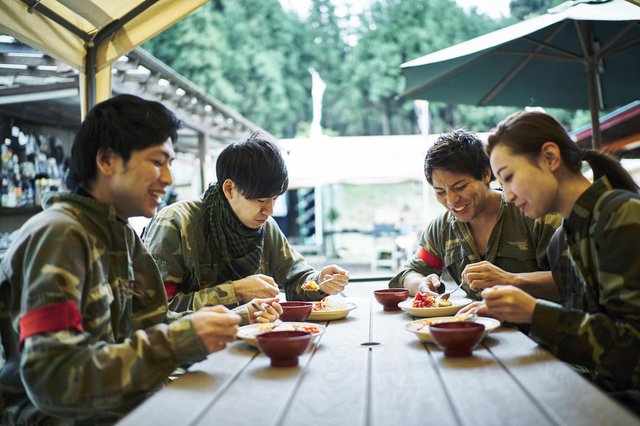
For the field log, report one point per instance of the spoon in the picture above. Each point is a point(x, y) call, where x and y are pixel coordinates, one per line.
point(446, 295)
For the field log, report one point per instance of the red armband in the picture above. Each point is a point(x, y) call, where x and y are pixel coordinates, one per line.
point(170, 288)
point(431, 260)
point(61, 316)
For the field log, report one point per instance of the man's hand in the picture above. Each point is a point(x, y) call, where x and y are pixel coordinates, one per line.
point(270, 314)
point(255, 286)
point(333, 279)
point(216, 326)
point(485, 274)
point(508, 303)
point(429, 285)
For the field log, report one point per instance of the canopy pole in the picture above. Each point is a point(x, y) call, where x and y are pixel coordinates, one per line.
point(92, 46)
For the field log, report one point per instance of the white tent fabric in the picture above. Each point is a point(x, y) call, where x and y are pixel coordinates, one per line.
point(68, 29)
point(355, 160)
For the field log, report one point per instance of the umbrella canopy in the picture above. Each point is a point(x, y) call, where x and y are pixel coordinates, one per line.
point(581, 54)
point(90, 35)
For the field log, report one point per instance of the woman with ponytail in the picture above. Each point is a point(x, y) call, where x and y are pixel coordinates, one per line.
point(596, 325)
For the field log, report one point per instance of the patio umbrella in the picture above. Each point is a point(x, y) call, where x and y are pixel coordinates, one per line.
point(580, 55)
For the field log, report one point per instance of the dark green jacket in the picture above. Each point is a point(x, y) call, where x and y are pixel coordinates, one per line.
point(176, 239)
point(597, 324)
point(118, 341)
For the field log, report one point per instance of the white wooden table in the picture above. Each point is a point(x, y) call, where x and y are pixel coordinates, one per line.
point(509, 380)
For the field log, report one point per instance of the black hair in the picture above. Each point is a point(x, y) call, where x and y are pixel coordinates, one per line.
point(123, 124)
point(460, 152)
point(525, 133)
point(255, 166)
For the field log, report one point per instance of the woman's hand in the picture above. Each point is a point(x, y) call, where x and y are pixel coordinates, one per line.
point(270, 314)
point(508, 303)
point(480, 306)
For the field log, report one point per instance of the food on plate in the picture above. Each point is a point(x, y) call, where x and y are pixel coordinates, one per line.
point(438, 321)
point(330, 303)
point(311, 286)
point(425, 301)
point(286, 327)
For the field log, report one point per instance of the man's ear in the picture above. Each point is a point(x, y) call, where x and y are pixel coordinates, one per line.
point(487, 176)
point(550, 156)
point(227, 187)
point(105, 160)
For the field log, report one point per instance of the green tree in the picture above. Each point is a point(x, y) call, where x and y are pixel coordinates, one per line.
point(392, 33)
point(245, 53)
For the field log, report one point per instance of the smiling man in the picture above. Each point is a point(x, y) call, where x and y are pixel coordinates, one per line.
point(480, 238)
point(86, 333)
point(224, 247)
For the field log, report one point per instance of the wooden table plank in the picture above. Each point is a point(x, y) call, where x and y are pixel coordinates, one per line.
point(508, 380)
point(405, 388)
point(483, 392)
point(333, 391)
point(548, 381)
point(474, 390)
point(257, 394)
point(182, 401)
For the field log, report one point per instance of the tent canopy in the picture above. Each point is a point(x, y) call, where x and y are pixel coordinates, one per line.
point(90, 35)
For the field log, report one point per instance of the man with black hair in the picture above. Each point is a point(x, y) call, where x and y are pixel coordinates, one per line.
point(224, 247)
point(480, 238)
point(86, 333)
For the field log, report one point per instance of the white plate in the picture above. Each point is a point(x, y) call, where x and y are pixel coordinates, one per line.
point(457, 304)
point(248, 333)
point(331, 315)
point(424, 333)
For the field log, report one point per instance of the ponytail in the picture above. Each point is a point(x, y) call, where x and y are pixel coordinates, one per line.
point(603, 164)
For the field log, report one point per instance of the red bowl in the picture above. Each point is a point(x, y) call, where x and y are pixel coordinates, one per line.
point(284, 347)
point(390, 297)
point(457, 338)
point(295, 311)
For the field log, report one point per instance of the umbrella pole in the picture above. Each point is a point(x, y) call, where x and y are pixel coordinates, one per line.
point(591, 64)
point(593, 106)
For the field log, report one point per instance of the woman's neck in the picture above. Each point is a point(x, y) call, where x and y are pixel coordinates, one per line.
point(570, 187)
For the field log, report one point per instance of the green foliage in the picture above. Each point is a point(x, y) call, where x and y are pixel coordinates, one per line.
point(254, 57)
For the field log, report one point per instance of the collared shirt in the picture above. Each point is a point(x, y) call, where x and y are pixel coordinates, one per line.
point(598, 323)
point(516, 244)
point(85, 329)
point(176, 239)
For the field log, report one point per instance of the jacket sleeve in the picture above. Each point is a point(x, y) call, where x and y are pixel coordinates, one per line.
point(607, 339)
point(73, 372)
point(171, 238)
point(429, 259)
point(288, 268)
point(542, 230)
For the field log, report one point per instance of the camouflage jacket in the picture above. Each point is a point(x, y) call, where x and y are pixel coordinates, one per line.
point(85, 329)
point(516, 244)
point(598, 324)
point(176, 239)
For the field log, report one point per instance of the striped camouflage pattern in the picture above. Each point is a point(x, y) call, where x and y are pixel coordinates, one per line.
point(516, 244)
point(599, 325)
point(76, 250)
point(176, 239)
